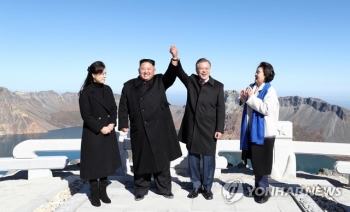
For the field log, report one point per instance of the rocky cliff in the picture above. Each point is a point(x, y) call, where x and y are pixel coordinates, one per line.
point(315, 120)
point(36, 112)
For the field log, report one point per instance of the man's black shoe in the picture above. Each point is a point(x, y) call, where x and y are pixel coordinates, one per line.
point(264, 198)
point(169, 195)
point(194, 193)
point(139, 197)
point(207, 194)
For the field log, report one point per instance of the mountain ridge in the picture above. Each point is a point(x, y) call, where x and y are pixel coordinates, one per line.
point(316, 103)
point(38, 112)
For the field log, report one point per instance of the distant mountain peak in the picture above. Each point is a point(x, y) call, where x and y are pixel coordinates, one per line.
point(4, 90)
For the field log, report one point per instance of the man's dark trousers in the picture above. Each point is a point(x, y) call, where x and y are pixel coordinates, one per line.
point(162, 179)
point(195, 172)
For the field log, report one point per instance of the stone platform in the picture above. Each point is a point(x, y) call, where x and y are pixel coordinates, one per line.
point(36, 194)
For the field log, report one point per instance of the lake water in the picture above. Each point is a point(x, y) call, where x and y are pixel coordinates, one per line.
point(306, 163)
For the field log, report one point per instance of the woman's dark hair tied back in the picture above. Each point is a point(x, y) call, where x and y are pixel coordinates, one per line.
point(95, 68)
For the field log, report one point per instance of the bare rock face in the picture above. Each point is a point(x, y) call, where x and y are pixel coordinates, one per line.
point(315, 120)
point(317, 104)
point(233, 116)
point(37, 112)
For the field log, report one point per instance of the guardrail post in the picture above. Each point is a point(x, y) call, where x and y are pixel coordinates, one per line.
point(284, 162)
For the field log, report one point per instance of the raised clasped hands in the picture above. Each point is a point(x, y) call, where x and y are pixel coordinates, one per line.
point(174, 51)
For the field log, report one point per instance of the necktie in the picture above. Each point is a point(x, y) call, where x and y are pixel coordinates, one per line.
point(202, 82)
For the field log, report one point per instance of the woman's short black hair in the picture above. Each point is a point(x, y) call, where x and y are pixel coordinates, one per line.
point(268, 71)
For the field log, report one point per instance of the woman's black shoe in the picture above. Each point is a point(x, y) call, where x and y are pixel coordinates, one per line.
point(95, 194)
point(103, 192)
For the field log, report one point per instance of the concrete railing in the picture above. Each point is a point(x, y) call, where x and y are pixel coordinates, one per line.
point(27, 149)
point(25, 157)
point(284, 163)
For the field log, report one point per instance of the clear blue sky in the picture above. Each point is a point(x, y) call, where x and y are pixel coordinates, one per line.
point(48, 45)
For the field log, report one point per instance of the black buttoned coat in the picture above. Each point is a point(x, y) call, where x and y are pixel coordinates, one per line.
point(153, 136)
point(100, 155)
point(204, 114)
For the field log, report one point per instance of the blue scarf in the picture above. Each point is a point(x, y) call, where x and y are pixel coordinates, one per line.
point(257, 131)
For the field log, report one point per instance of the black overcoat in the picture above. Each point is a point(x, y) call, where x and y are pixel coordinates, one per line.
point(152, 132)
point(204, 114)
point(100, 155)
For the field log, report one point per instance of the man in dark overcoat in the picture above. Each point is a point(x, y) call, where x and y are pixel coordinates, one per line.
point(153, 136)
point(202, 124)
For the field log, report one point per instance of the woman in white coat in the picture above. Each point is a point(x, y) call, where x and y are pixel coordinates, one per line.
point(259, 127)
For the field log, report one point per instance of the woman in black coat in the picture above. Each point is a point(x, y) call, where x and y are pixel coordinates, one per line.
point(100, 155)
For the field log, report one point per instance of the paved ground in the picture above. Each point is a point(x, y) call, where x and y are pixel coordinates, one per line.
point(123, 200)
point(19, 194)
point(16, 193)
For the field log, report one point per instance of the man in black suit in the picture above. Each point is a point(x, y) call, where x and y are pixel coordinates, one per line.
point(202, 124)
point(153, 136)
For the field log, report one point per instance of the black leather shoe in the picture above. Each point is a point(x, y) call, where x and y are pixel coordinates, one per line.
point(169, 195)
point(264, 198)
point(207, 194)
point(139, 197)
point(194, 193)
